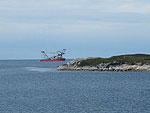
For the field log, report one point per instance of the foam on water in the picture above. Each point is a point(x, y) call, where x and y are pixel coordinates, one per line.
point(38, 69)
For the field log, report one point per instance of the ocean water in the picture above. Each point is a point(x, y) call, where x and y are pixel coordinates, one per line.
point(30, 86)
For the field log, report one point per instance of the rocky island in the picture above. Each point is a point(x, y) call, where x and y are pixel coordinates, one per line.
point(131, 62)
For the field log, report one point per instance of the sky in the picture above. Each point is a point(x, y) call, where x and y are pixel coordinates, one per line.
point(86, 28)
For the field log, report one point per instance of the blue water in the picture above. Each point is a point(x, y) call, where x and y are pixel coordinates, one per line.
point(30, 86)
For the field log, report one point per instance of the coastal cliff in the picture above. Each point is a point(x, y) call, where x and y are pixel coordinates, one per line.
point(133, 62)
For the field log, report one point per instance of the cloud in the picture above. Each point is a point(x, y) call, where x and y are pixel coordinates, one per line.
point(72, 17)
point(74, 28)
point(80, 6)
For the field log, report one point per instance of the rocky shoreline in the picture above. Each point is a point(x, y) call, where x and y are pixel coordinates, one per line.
point(109, 66)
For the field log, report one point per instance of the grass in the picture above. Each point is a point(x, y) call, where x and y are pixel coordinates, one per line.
point(122, 59)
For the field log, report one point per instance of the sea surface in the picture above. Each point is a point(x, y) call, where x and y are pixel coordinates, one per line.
point(31, 86)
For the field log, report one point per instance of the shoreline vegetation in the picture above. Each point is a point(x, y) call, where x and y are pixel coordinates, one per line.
point(125, 63)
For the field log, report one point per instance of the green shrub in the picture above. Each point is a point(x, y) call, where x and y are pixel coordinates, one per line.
point(130, 59)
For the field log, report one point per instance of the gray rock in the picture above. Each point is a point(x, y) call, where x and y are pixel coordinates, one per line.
point(111, 66)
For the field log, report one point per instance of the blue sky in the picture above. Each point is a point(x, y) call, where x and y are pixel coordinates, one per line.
point(86, 28)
